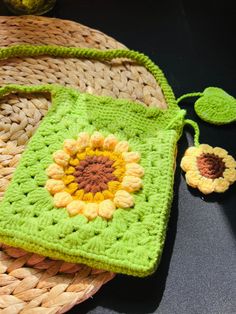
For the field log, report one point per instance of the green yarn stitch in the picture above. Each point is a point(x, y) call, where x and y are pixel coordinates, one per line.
point(130, 243)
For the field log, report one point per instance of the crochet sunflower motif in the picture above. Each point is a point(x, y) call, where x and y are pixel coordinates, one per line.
point(94, 175)
point(209, 169)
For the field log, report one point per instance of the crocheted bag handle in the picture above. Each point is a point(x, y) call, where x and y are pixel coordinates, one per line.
point(214, 105)
point(91, 53)
point(12, 88)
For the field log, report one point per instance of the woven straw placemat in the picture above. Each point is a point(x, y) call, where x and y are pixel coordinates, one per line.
point(30, 283)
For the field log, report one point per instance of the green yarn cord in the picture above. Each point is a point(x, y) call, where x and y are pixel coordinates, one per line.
point(190, 122)
point(194, 94)
point(195, 127)
point(12, 88)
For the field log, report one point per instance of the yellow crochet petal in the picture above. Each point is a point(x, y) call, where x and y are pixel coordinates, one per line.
point(106, 209)
point(122, 147)
point(205, 148)
point(118, 163)
point(96, 140)
point(110, 142)
point(55, 171)
point(68, 179)
point(205, 185)
point(90, 210)
point(62, 199)
point(220, 152)
point(54, 186)
point(72, 187)
point(119, 173)
point(230, 175)
point(83, 141)
point(131, 157)
point(75, 207)
point(113, 186)
point(74, 161)
point(134, 169)
point(229, 161)
point(192, 178)
point(70, 146)
point(192, 151)
point(88, 197)
point(81, 156)
point(69, 170)
point(131, 183)
point(123, 199)
point(79, 194)
point(61, 158)
point(188, 163)
point(107, 194)
point(98, 197)
point(221, 185)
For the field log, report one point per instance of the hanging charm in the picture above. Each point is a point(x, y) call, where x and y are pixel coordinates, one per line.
point(215, 106)
point(209, 169)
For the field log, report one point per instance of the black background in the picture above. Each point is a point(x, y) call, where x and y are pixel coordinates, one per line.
point(194, 44)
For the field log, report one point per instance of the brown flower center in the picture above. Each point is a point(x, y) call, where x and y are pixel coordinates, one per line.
point(210, 166)
point(94, 172)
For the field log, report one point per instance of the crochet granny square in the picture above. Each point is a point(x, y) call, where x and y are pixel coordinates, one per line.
point(95, 183)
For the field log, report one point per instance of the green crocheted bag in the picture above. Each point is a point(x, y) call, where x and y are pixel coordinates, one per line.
point(95, 183)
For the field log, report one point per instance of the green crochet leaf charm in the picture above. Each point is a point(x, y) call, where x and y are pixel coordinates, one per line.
point(216, 106)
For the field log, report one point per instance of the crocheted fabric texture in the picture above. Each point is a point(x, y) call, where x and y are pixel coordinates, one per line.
point(95, 183)
point(131, 241)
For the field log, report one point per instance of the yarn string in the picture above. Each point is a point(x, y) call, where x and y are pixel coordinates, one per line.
point(195, 127)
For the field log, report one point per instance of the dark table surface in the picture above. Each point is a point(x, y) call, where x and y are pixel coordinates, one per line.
point(194, 44)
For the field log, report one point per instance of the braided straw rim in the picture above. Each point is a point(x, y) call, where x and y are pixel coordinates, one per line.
point(30, 283)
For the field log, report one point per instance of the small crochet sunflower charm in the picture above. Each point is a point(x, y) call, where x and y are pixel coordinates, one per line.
point(94, 175)
point(209, 169)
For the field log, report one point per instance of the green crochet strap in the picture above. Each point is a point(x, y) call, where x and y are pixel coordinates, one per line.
point(195, 94)
point(192, 123)
point(195, 127)
point(90, 53)
point(5, 90)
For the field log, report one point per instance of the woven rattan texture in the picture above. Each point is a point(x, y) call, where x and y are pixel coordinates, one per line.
point(31, 283)
point(117, 79)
